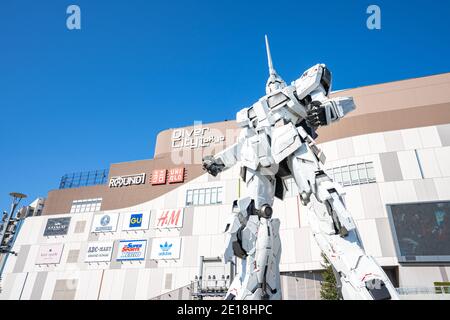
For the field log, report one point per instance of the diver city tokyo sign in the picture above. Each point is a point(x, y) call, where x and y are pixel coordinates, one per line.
point(131, 250)
point(195, 138)
point(105, 222)
point(165, 248)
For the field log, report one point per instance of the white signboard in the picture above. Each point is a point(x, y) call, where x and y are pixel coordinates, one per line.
point(131, 250)
point(106, 222)
point(165, 248)
point(49, 254)
point(136, 221)
point(196, 137)
point(125, 181)
point(169, 218)
point(99, 251)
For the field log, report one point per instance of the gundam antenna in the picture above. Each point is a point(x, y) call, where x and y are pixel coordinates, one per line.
point(269, 57)
point(274, 82)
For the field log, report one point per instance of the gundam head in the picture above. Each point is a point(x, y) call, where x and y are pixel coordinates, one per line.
point(274, 82)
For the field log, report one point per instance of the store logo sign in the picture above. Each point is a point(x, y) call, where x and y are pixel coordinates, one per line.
point(194, 138)
point(136, 220)
point(132, 250)
point(165, 249)
point(105, 222)
point(169, 218)
point(125, 181)
point(57, 227)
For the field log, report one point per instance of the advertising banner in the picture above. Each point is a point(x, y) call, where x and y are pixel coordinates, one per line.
point(131, 250)
point(99, 251)
point(169, 218)
point(136, 221)
point(57, 227)
point(165, 248)
point(49, 254)
point(106, 222)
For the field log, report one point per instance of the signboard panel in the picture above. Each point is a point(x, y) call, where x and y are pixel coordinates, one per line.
point(176, 175)
point(131, 250)
point(159, 177)
point(57, 226)
point(106, 222)
point(99, 251)
point(165, 248)
point(50, 254)
point(169, 218)
point(136, 221)
point(125, 181)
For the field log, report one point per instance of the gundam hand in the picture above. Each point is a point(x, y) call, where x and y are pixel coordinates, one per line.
point(212, 165)
point(316, 115)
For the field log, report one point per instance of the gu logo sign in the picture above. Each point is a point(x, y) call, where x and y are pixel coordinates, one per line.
point(136, 220)
point(169, 218)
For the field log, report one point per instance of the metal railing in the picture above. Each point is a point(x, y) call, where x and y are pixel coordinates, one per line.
point(209, 288)
point(83, 179)
point(423, 290)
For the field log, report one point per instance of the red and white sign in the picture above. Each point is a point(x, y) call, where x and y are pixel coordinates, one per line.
point(49, 254)
point(176, 175)
point(169, 218)
point(159, 176)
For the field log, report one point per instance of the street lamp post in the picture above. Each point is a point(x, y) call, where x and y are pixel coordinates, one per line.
point(9, 228)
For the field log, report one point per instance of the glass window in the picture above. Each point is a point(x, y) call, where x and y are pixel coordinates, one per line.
point(370, 172)
point(189, 195)
point(201, 197)
point(354, 174)
point(195, 198)
point(345, 176)
point(362, 173)
point(213, 195)
point(208, 196)
point(219, 195)
point(337, 175)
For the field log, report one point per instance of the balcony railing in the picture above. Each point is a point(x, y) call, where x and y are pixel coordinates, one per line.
point(209, 288)
point(84, 179)
point(423, 290)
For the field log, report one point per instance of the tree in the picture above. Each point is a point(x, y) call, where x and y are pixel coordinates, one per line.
point(329, 290)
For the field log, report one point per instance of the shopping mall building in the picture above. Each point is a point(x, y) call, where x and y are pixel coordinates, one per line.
point(147, 229)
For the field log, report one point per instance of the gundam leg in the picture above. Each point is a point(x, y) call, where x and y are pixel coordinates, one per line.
point(253, 236)
point(358, 275)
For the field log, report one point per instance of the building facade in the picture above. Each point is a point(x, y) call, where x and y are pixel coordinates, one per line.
point(146, 229)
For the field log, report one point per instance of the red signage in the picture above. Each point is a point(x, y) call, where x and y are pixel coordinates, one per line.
point(169, 218)
point(159, 177)
point(176, 175)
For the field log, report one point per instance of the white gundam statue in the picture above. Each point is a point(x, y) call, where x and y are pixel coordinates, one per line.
point(277, 142)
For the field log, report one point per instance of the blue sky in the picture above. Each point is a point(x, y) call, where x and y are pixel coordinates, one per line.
point(80, 100)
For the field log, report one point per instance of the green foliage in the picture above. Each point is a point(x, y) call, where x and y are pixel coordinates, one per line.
point(329, 290)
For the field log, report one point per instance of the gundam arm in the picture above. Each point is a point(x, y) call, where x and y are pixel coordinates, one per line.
point(312, 90)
